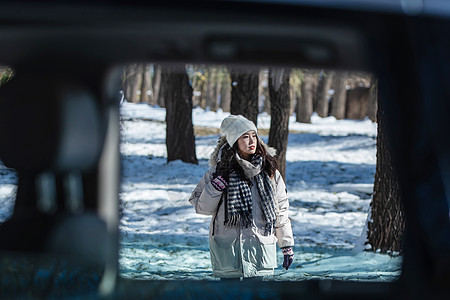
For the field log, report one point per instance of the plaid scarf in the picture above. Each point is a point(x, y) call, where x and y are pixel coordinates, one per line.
point(238, 203)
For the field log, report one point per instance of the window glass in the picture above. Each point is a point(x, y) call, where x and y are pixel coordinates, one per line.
point(329, 170)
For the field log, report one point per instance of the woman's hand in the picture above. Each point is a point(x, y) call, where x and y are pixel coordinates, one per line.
point(220, 177)
point(218, 182)
point(288, 257)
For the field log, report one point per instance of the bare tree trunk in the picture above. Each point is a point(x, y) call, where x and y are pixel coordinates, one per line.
point(279, 106)
point(157, 97)
point(294, 95)
point(373, 100)
point(152, 100)
point(126, 82)
point(136, 83)
point(195, 98)
point(267, 98)
point(314, 85)
point(180, 140)
point(211, 98)
point(295, 83)
point(132, 82)
point(322, 94)
point(146, 89)
point(305, 101)
point(339, 97)
point(226, 93)
point(219, 82)
point(244, 94)
point(385, 231)
point(203, 90)
point(263, 90)
point(356, 103)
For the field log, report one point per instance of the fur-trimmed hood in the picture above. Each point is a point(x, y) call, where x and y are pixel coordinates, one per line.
point(214, 158)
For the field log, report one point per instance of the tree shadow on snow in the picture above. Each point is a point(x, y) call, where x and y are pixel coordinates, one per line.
point(325, 173)
point(309, 139)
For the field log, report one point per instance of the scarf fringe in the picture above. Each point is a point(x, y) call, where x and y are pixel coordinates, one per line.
point(244, 220)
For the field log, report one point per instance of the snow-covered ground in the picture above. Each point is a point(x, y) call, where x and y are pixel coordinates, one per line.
point(329, 176)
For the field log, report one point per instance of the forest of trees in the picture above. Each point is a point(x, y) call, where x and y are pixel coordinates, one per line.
point(279, 92)
point(344, 95)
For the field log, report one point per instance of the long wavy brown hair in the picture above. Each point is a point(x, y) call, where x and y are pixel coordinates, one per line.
point(270, 163)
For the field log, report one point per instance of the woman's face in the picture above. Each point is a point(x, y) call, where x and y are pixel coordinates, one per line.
point(247, 144)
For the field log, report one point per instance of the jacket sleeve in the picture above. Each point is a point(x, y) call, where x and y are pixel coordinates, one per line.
point(205, 198)
point(283, 228)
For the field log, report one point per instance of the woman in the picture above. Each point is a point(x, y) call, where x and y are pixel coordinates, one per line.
point(246, 195)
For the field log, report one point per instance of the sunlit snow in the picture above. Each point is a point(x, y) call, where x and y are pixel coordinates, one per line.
point(329, 174)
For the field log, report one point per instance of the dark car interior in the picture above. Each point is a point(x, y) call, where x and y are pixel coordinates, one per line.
point(59, 128)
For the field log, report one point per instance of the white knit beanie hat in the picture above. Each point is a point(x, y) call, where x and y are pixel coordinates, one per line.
point(234, 126)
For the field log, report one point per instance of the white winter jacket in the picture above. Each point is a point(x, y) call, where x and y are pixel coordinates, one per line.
point(243, 252)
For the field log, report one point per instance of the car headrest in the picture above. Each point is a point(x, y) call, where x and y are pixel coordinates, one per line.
point(48, 123)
